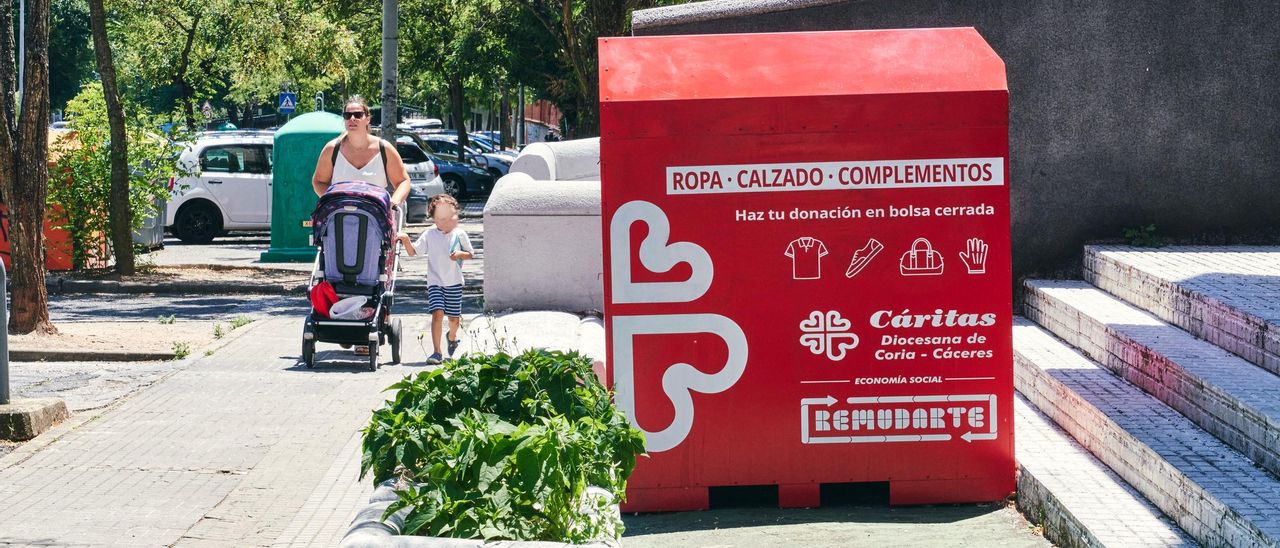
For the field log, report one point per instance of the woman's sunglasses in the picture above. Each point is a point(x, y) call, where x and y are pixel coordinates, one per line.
point(347, 115)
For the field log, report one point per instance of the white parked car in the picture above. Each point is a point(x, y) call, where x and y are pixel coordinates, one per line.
point(230, 188)
point(424, 175)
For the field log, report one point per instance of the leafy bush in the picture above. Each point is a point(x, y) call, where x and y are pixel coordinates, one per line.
point(504, 447)
point(80, 181)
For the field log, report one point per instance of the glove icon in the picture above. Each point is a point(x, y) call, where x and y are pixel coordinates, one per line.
point(975, 256)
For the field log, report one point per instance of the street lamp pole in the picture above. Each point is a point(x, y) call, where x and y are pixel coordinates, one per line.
point(390, 38)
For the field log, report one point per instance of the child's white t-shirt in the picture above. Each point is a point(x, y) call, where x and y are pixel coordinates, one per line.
point(437, 246)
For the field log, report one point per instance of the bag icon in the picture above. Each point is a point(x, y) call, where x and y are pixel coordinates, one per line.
point(921, 260)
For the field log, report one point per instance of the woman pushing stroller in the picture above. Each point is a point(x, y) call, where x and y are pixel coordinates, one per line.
point(379, 162)
point(382, 165)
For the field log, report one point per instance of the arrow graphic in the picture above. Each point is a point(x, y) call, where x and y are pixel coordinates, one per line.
point(804, 415)
point(968, 437)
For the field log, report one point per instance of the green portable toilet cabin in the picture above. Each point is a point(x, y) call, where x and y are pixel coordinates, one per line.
point(297, 147)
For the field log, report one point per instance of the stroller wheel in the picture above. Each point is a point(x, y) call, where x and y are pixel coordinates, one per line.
point(309, 354)
point(395, 338)
point(373, 357)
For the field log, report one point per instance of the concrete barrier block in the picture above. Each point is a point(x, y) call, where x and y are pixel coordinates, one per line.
point(543, 246)
point(21, 420)
point(576, 160)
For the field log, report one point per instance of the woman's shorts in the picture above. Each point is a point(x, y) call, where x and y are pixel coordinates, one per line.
point(448, 299)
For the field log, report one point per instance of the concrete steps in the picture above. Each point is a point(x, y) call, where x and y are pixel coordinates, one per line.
point(1213, 492)
point(1229, 296)
point(1076, 498)
point(1236, 401)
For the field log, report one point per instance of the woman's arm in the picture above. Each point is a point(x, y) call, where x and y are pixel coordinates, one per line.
point(398, 175)
point(324, 170)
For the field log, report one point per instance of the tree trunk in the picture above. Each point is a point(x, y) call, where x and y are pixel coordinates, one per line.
point(30, 307)
point(184, 63)
point(457, 102)
point(248, 117)
point(233, 115)
point(8, 85)
point(121, 212)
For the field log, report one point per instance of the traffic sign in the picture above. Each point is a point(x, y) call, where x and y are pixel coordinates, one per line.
point(288, 102)
point(207, 109)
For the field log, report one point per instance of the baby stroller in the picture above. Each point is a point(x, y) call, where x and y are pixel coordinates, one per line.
point(355, 228)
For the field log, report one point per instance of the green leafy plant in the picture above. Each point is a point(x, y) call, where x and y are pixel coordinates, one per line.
point(181, 350)
point(80, 180)
point(1143, 236)
point(504, 447)
point(240, 321)
point(218, 333)
point(167, 320)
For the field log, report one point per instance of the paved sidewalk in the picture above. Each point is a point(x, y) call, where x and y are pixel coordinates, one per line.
point(243, 448)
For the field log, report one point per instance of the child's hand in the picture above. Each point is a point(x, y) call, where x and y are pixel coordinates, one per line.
point(459, 255)
point(408, 244)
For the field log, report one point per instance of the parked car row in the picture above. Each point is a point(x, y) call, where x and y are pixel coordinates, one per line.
point(230, 185)
point(460, 180)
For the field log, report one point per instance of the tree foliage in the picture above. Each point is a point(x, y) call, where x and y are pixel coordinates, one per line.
point(80, 180)
point(236, 55)
point(70, 51)
point(574, 26)
point(453, 45)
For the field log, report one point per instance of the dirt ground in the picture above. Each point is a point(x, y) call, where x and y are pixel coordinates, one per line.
point(205, 273)
point(152, 337)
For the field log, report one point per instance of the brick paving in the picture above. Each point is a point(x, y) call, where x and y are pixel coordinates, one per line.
point(1231, 398)
point(1210, 490)
point(243, 448)
point(1080, 501)
point(1229, 296)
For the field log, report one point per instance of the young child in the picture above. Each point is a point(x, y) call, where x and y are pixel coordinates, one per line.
point(444, 276)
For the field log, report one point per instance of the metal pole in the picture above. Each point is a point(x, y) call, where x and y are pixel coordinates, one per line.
point(521, 135)
point(4, 336)
point(22, 42)
point(390, 37)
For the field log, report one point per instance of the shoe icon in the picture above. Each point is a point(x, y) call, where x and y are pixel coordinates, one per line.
point(862, 257)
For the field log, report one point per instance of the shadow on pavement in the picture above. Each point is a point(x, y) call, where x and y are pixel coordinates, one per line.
point(333, 361)
point(732, 518)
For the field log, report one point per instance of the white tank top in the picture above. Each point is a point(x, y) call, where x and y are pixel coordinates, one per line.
point(373, 172)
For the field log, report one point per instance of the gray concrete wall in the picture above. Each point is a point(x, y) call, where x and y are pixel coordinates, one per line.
point(1122, 112)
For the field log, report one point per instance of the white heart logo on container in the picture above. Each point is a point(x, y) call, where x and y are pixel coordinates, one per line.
point(680, 380)
point(656, 255)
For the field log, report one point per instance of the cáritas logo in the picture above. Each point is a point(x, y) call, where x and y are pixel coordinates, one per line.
point(904, 319)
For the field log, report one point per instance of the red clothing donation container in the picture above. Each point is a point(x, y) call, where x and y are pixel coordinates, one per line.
point(807, 270)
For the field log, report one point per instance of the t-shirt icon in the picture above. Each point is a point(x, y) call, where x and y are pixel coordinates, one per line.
point(806, 258)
